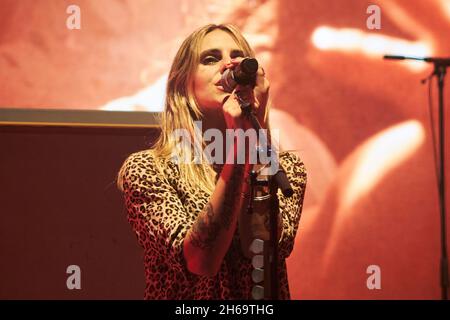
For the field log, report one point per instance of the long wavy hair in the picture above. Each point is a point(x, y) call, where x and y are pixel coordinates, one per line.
point(182, 109)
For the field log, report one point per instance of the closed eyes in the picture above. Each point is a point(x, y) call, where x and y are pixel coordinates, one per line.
point(213, 56)
point(210, 60)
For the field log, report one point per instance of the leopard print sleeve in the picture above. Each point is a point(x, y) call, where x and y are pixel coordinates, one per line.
point(291, 208)
point(154, 210)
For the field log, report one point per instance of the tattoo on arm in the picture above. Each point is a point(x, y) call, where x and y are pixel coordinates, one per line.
point(208, 225)
point(205, 229)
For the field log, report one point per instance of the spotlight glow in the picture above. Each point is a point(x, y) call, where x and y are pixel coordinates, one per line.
point(371, 45)
point(150, 98)
point(445, 4)
point(379, 156)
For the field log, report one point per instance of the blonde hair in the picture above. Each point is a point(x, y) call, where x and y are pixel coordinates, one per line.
point(181, 109)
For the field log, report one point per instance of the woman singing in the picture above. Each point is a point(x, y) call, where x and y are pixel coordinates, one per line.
point(191, 216)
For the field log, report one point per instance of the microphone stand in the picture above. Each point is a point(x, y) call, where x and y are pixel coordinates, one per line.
point(440, 70)
point(278, 180)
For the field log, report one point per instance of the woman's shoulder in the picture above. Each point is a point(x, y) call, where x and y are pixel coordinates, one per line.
point(292, 163)
point(290, 156)
point(145, 164)
point(140, 157)
point(147, 160)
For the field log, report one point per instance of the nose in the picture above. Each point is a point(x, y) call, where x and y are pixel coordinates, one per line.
point(224, 66)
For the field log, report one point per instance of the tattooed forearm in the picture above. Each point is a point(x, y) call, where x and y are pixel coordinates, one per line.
point(204, 232)
point(210, 221)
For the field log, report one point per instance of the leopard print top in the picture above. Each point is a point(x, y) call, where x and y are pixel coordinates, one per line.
point(161, 208)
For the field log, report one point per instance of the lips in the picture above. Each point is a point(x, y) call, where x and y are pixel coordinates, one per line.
point(220, 88)
point(218, 83)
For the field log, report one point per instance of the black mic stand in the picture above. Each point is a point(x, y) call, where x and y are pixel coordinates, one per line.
point(278, 180)
point(440, 70)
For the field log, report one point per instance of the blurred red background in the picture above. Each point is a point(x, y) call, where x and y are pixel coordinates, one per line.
point(360, 123)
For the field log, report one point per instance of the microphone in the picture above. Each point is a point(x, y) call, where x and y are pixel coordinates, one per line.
point(393, 57)
point(243, 74)
point(443, 62)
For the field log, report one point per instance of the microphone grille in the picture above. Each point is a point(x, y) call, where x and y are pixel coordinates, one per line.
point(249, 65)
